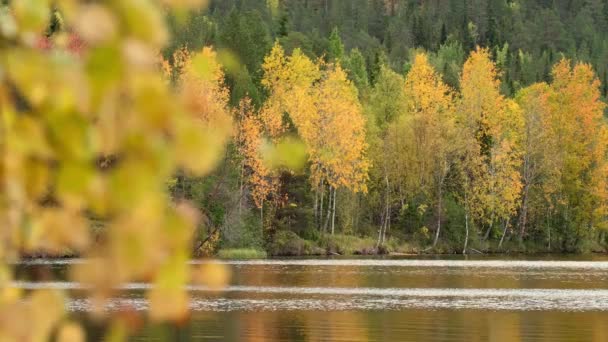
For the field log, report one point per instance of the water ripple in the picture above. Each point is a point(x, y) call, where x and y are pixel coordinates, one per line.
point(571, 304)
point(314, 298)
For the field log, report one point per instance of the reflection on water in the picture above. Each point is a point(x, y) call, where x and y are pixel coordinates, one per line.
point(411, 263)
point(495, 264)
point(371, 299)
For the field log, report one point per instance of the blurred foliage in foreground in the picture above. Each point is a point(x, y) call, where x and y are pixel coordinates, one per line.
point(91, 128)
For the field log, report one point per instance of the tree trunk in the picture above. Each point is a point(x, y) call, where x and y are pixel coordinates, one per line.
point(357, 216)
point(387, 226)
point(241, 188)
point(320, 213)
point(549, 228)
point(387, 212)
point(262, 217)
point(439, 209)
point(549, 247)
point(380, 234)
point(384, 220)
point(328, 217)
point(316, 206)
point(486, 236)
point(466, 223)
point(387, 221)
point(333, 214)
point(504, 232)
point(524, 215)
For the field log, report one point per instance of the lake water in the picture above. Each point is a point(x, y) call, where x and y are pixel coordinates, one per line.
point(382, 300)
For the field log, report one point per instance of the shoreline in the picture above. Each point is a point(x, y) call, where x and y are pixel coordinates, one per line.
point(353, 255)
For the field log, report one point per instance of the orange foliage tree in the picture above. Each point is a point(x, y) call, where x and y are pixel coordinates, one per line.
point(424, 140)
point(537, 148)
point(324, 109)
point(263, 181)
point(338, 146)
point(577, 129)
point(492, 127)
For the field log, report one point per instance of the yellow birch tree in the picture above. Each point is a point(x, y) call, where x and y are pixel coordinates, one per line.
point(430, 138)
point(492, 129)
point(578, 130)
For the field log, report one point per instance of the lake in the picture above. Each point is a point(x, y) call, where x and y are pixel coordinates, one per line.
point(455, 299)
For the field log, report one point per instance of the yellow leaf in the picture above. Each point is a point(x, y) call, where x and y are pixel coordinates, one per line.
point(71, 332)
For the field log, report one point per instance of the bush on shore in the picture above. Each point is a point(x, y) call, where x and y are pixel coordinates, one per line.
point(288, 243)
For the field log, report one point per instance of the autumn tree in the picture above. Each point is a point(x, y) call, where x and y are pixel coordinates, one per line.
point(338, 148)
point(385, 106)
point(289, 81)
point(577, 187)
point(323, 108)
point(491, 127)
point(537, 148)
point(263, 182)
point(425, 137)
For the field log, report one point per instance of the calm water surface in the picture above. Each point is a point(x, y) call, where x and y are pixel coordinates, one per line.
point(380, 300)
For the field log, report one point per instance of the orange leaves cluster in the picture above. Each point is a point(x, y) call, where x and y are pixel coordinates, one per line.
point(425, 92)
point(290, 82)
point(549, 146)
point(37, 318)
point(317, 103)
point(262, 180)
point(492, 126)
point(324, 108)
point(337, 150)
point(423, 139)
point(480, 90)
point(200, 80)
point(577, 129)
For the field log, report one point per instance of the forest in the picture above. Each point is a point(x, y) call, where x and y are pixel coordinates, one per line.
point(369, 126)
point(427, 125)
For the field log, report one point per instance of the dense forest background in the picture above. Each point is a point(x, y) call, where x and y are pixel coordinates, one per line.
point(376, 42)
point(526, 37)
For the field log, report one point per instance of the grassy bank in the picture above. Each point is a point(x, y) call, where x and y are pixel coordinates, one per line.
point(242, 253)
point(288, 243)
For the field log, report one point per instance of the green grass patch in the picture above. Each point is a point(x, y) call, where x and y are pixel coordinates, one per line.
point(241, 253)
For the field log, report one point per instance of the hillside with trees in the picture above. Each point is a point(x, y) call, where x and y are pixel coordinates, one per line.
point(447, 125)
point(372, 126)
